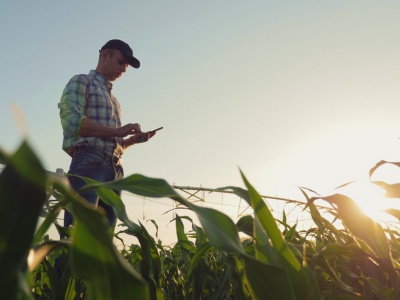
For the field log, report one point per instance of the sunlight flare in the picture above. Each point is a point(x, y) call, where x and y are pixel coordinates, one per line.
point(372, 200)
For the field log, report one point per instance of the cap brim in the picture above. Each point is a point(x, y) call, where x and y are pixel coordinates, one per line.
point(134, 62)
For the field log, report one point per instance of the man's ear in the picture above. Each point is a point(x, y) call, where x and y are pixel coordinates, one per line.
point(104, 54)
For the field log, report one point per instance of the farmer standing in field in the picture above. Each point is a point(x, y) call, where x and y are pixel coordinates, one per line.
point(91, 121)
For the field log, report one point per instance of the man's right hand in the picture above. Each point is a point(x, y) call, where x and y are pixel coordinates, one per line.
point(90, 128)
point(128, 129)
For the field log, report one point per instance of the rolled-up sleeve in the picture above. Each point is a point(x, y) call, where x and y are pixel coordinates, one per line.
point(72, 109)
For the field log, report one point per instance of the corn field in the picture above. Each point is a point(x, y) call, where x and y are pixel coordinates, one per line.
point(357, 260)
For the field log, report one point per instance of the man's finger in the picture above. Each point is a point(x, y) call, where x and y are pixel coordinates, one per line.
point(136, 127)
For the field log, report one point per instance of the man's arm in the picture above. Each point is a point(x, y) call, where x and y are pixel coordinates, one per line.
point(93, 129)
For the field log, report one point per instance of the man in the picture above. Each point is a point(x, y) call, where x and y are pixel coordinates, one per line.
point(91, 121)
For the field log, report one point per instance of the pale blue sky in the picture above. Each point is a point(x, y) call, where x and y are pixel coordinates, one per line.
point(295, 93)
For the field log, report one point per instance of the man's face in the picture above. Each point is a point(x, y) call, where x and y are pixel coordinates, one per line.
point(115, 63)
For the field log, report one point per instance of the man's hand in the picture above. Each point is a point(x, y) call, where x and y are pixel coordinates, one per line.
point(128, 129)
point(91, 128)
point(138, 138)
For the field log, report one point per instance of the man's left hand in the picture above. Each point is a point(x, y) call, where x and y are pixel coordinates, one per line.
point(139, 138)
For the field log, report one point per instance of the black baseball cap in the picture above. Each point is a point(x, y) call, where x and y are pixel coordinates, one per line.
point(125, 50)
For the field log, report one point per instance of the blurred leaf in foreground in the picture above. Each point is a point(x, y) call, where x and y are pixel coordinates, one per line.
point(23, 193)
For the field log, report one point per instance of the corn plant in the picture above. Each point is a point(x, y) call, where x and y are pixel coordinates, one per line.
point(358, 260)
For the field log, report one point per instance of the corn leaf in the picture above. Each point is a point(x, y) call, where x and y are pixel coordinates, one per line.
point(22, 190)
point(151, 265)
point(267, 281)
point(360, 225)
point(219, 228)
point(301, 279)
point(394, 212)
point(96, 261)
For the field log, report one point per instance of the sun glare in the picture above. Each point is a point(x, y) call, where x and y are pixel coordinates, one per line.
point(372, 200)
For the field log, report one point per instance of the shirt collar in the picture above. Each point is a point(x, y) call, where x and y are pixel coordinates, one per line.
point(101, 78)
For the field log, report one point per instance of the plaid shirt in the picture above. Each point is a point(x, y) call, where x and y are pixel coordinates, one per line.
point(89, 96)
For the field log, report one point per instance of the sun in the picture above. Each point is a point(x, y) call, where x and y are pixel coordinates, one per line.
point(372, 201)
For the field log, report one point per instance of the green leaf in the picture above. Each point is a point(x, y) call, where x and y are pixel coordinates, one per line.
point(39, 252)
point(300, 278)
point(96, 261)
point(220, 229)
point(265, 252)
point(48, 221)
point(201, 237)
point(380, 291)
point(266, 281)
point(391, 190)
point(22, 190)
point(143, 186)
point(382, 162)
point(245, 224)
point(360, 225)
point(351, 251)
point(151, 264)
point(225, 280)
point(180, 230)
point(94, 257)
point(394, 212)
point(197, 256)
point(322, 262)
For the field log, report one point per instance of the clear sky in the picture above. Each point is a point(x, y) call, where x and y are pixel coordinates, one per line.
point(294, 93)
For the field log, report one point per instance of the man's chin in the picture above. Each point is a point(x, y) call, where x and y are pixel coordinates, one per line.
point(116, 77)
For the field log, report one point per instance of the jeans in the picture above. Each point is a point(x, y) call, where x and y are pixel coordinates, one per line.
point(96, 168)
